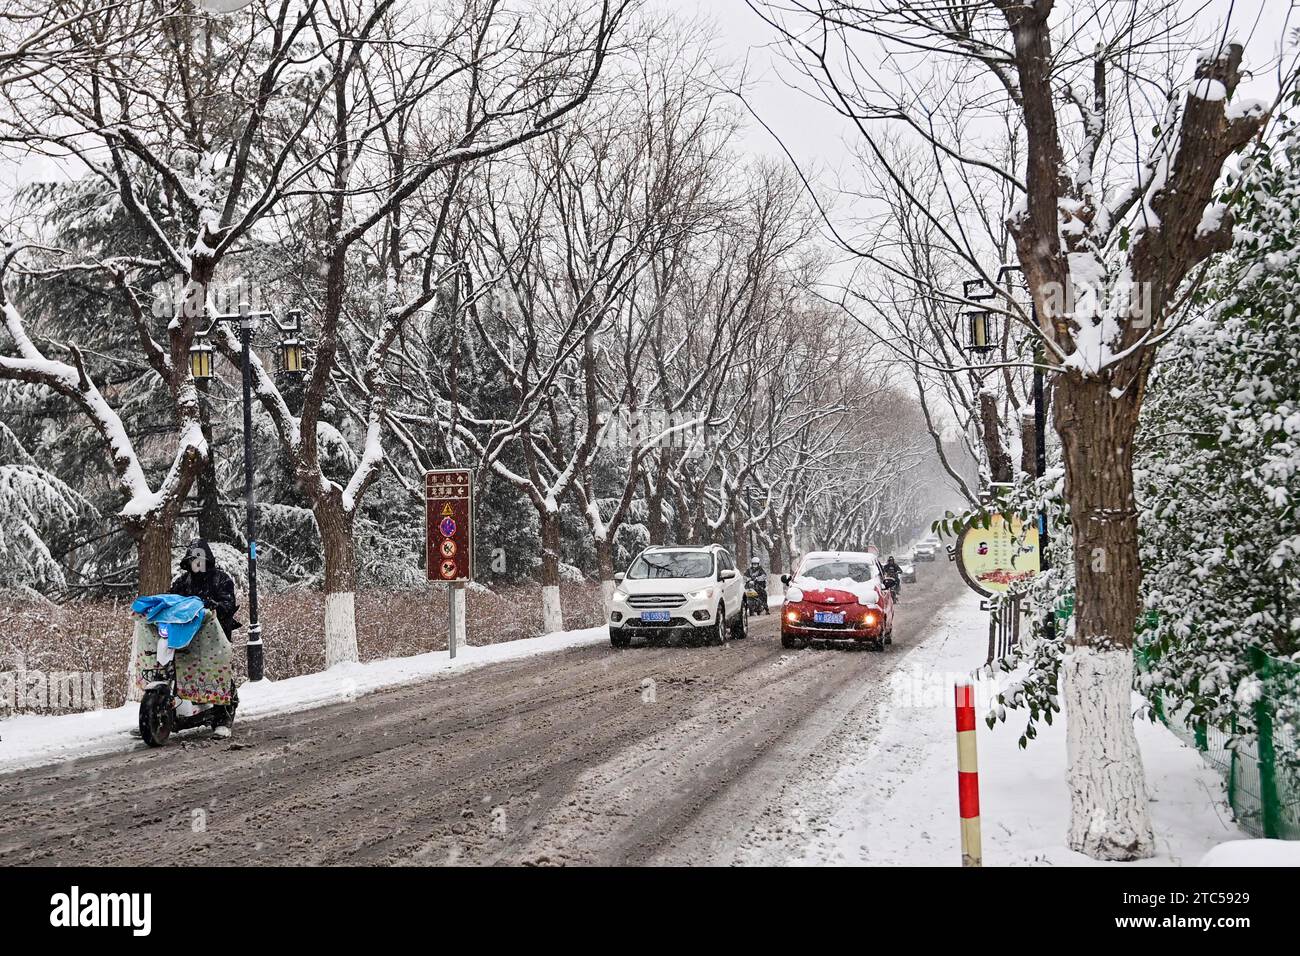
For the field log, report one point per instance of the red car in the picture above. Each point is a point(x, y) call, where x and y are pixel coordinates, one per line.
point(837, 595)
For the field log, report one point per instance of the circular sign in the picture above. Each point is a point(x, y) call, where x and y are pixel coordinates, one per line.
point(448, 569)
point(448, 548)
point(993, 559)
point(447, 526)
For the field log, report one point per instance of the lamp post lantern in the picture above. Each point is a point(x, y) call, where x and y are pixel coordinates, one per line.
point(201, 359)
point(981, 324)
point(291, 356)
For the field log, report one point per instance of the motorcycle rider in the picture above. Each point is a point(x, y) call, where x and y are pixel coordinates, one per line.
point(893, 575)
point(756, 579)
point(201, 578)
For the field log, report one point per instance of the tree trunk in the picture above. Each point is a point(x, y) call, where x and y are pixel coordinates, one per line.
point(605, 565)
point(153, 545)
point(214, 521)
point(655, 524)
point(1109, 813)
point(774, 585)
point(685, 525)
point(1028, 443)
point(991, 431)
point(552, 612)
point(742, 539)
point(340, 582)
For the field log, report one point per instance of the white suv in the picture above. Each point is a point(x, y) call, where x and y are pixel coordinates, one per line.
point(695, 592)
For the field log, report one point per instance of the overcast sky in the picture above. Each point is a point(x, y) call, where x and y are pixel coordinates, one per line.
point(816, 137)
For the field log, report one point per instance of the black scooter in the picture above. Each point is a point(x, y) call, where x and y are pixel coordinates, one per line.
point(756, 598)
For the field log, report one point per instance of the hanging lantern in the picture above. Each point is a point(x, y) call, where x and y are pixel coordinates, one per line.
point(982, 336)
point(291, 356)
point(201, 359)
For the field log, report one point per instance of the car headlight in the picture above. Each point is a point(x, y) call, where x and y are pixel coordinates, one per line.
point(701, 595)
point(793, 593)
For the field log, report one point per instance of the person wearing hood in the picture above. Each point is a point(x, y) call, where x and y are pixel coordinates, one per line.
point(201, 578)
point(756, 578)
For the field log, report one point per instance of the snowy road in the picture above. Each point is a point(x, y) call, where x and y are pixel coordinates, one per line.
point(565, 758)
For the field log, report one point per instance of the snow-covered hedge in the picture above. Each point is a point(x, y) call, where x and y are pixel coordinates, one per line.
point(1219, 476)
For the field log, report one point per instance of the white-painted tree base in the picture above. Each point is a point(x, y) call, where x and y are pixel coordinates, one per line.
point(552, 614)
point(1109, 814)
point(340, 628)
point(607, 589)
point(462, 633)
point(141, 633)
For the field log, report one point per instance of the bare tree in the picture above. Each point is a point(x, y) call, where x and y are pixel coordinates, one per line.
point(1107, 265)
point(144, 112)
point(470, 84)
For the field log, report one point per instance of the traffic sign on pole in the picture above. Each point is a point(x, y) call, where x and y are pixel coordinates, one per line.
point(449, 525)
point(449, 539)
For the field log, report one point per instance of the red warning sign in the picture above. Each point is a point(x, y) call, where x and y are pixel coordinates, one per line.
point(449, 524)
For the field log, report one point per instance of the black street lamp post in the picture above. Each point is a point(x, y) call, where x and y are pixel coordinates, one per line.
point(1040, 424)
point(978, 290)
point(291, 356)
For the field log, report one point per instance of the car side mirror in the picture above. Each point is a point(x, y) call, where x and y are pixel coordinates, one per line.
point(785, 579)
point(619, 575)
point(728, 574)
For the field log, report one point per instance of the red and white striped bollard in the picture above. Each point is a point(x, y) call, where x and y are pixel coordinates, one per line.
point(968, 778)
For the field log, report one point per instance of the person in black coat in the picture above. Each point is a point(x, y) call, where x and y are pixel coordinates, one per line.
point(201, 578)
point(893, 575)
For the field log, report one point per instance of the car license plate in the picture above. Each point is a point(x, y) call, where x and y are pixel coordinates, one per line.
point(655, 617)
point(828, 617)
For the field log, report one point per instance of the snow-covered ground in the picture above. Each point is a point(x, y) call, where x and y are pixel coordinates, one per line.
point(31, 740)
point(880, 807)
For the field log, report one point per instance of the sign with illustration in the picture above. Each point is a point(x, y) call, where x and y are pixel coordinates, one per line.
point(994, 558)
point(448, 524)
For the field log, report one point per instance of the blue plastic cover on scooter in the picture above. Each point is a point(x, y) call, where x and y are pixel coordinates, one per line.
point(177, 618)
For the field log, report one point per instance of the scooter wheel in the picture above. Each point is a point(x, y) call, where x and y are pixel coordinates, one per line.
point(156, 716)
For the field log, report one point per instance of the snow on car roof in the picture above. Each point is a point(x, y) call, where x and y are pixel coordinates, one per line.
point(839, 556)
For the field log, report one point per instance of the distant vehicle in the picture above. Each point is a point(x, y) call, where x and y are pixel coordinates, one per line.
point(837, 595)
point(924, 552)
point(693, 592)
point(909, 571)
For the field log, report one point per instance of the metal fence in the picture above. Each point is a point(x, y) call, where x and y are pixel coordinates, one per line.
point(1004, 627)
point(1260, 763)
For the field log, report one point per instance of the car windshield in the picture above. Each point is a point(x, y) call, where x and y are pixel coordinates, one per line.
point(672, 564)
point(860, 571)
